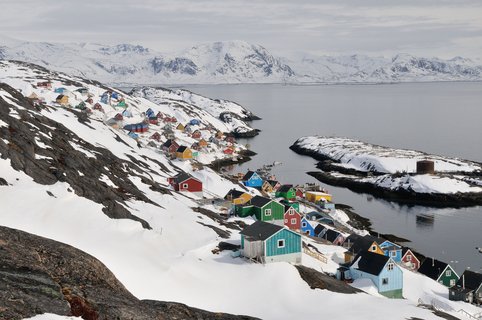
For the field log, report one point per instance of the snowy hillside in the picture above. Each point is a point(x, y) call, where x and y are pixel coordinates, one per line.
point(230, 62)
point(68, 174)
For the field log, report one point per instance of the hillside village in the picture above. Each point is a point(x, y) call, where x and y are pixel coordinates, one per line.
point(275, 222)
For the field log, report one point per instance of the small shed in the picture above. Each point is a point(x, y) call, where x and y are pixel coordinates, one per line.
point(425, 167)
point(315, 196)
point(266, 242)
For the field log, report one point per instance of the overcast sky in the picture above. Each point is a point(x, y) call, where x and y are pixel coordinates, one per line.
point(376, 27)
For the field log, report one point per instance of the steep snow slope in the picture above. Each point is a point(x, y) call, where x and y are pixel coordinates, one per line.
point(169, 257)
point(230, 62)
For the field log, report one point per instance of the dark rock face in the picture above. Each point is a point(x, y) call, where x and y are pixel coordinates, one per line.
point(318, 280)
point(38, 275)
point(64, 162)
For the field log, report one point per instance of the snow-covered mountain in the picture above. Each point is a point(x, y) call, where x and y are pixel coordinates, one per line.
point(230, 62)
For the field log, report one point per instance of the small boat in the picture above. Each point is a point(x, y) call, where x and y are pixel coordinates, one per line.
point(479, 249)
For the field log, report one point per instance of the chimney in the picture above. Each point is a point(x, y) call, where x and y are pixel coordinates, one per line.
point(433, 262)
point(463, 280)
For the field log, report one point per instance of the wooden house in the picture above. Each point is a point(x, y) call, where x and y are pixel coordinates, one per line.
point(156, 136)
point(263, 208)
point(392, 250)
point(286, 191)
point(118, 117)
point(230, 139)
point(33, 96)
point(180, 127)
point(160, 115)
point(385, 274)
point(121, 104)
point(468, 288)
point(439, 271)
point(252, 179)
point(203, 143)
point(196, 134)
point(320, 217)
point(237, 197)
point(366, 243)
point(187, 183)
point(270, 186)
point(316, 196)
point(292, 218)
point(170, 146)
point(299, 193)
point(44, 84)
point(228, 150)
point(293, 204)
point(409, 260)
point(98, 106)
point(266, 242)
point(62, 99)
point(319, 230)
point(333, 236)
point(83, 91)
point(196, 146)
point(308, 227)
point(183, 153)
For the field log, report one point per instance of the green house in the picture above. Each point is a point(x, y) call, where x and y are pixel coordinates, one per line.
point(267, 242)
point(243, 210)
point(286, 191)
point(266, 209)
point(439, 271)
point(122, 104)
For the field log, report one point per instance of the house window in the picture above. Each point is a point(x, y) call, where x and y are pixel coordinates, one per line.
point(374, 248)
point(303, 224)
point(390, 266)
point(281, 243)
point(448, 273)
point(393, 254)
point(291, 212)
point(293, 221)
point(185, 185)
point(452, 282)
point(267, 212)
point(286, 220)
point(409, 258)
point(385, 281)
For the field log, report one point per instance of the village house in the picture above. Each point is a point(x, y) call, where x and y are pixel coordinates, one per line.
point(287, 192)
point(62, 100)
point(360, 244)
point(187, 183)
point(266, 242)
point(196, 134)
point(316, 196)
point(385, 274)
point(44, 84)
point(184, 153)
point(270, 186)
point(252, 179)
point(237, 196)
point(468, 288)
point(228, 150)
point(439, 271)
point(308, 227)
point(320, 217)
point(300, 193)
point(180, 127)
point(333, 236)
point(392, 250)
point(195, 146)
point(409, 260)
point(170, 146)
point(263, 208)
point(292, 218)
point(203, 143)
point(156, 136)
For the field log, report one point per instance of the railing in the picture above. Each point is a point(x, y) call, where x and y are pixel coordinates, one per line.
point(440, 306)
point(317, 255)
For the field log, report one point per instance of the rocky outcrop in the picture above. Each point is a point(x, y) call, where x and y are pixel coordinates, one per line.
point(39, 275)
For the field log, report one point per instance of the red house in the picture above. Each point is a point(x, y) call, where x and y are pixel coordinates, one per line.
point(196, 134)
point(410, 260)
point(153, 121)
point(119, 117)
point(45, 84)
point(160, 115)
point(156, 136)
point(170, 146)
point(299, 193)
point(228, 150)
point(230, 139)
point(292, 218)
point(97, 106)
point(186, 182)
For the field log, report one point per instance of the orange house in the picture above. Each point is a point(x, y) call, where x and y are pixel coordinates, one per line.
point(203, 143)
point(238, 197)
point(184, 153)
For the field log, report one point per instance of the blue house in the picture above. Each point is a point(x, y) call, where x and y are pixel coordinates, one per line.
point(60, 90)
point(194, 122)
point(266, 242)
point(385, 274)
point(308, 227)
point(150, 113)
point(392, 250)
point(252, 179)
point(320, 217)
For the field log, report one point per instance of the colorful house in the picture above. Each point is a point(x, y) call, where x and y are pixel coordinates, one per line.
point(334, 237)
point(266, 242)
point(366, 243)
point(292, 218)
point(170, 146)
point(62, 99)
point(180, 127)
point(439, 271)
point(122, 104)
point(203, 143)
point(237, 196)
point(468, 288)
point(156, 136)
point(320, 217)
point(270, 186)
point(286, 191)
point(392, 250)
point(385, 274)
point(184, 153)
point(316, 196)
point(252, 179)
point(228, 150)
point(409, 260)
point(267, 210)
point(299, 193)
point(196, 134)
point(308, 227)
point(187, 183)
point(195, 146)
point(45, 84)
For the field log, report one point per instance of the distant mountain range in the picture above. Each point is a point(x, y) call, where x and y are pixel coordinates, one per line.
point(231, 62)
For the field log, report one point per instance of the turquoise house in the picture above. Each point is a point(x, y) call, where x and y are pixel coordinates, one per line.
point(385, 274)
point(267, 242)
point(252, 179)
point(392, 250)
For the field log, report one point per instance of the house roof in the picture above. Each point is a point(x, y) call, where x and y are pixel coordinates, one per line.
point(318, 229)
point(287, 207)
point(285, 188)
point(370, 262)
point(362, 243)
point(261, 230)
point(432, 268)
point(234, 193)
point(472, 280)
point(168, 143)
point(272, 183)
point(181, 149)
point(259, 201)
point(183, 177)
point(248, 175)
point(406, 249)
point(331, 235)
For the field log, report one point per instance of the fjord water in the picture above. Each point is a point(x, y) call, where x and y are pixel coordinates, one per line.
point(440, 118)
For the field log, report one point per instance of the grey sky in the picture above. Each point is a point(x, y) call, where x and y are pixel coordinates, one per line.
point(376, 27)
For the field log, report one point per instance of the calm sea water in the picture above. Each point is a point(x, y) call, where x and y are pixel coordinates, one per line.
point(439, 118)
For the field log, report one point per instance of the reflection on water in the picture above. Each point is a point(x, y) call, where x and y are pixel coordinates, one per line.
point(439, 118)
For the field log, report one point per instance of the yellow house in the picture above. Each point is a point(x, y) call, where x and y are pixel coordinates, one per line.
point(366, 243)
point(315, 196)
point(63, 100)
point(184, 153)
point(238, 197)
point(180, 127)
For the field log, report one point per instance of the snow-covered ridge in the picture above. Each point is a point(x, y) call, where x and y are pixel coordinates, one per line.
point(231, 62)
